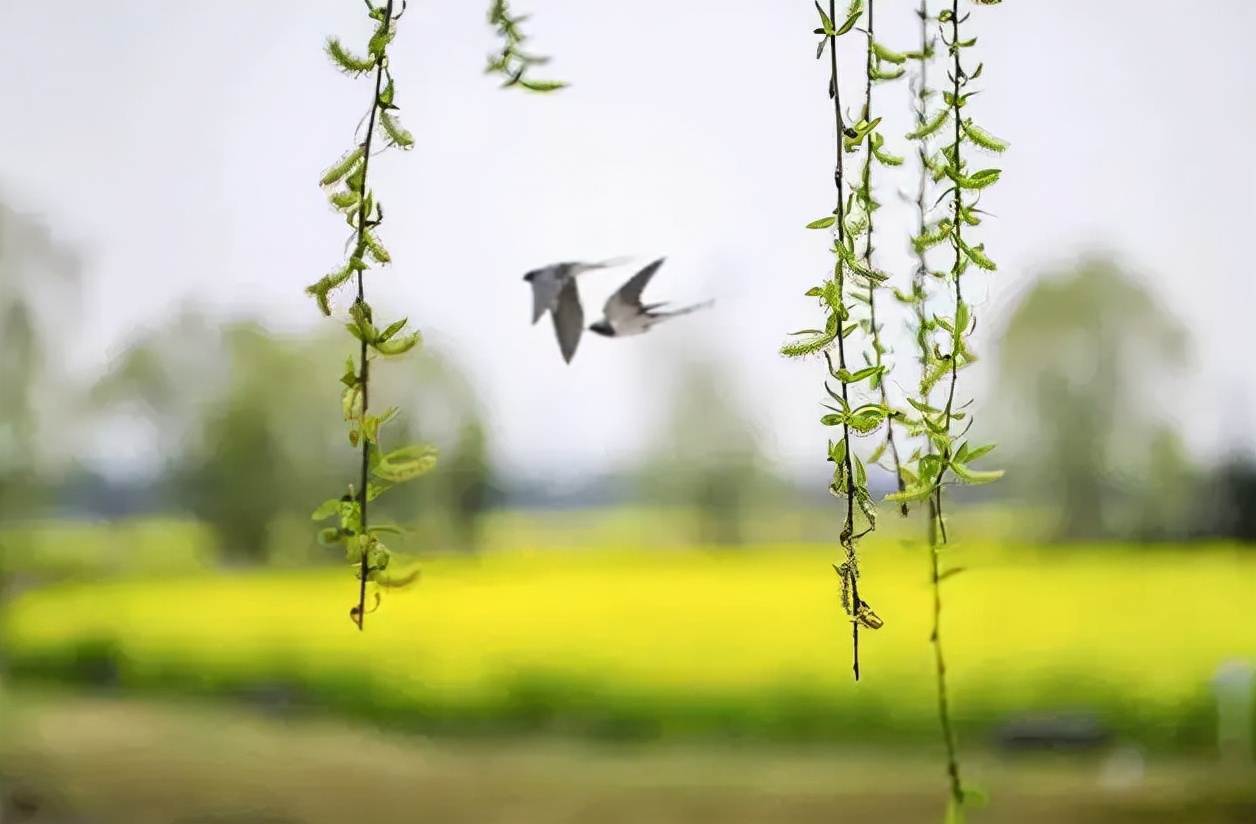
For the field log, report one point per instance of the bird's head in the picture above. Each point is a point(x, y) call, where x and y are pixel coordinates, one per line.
point(602, 328)
point(530, 275)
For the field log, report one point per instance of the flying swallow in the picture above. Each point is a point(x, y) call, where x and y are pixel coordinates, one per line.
point(626, 315)
point(554, 290)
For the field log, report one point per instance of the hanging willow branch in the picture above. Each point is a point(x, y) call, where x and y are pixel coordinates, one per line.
point(850, 275)
point(513, 62)
point(943, 340)
point(351, 196)
point(881, 65)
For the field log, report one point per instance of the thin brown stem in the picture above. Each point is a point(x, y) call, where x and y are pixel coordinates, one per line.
point(363, 353)
point(848, 529)
point(937, 539)
point(937, 532)
point(866, 185)
point(958, 205)
point(922, 154)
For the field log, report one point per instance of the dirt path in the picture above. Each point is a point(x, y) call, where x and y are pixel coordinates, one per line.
point(164, 763)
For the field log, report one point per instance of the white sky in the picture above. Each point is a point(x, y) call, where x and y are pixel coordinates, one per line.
point(182, 142)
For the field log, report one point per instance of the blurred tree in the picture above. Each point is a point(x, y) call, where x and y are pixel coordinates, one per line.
point(470, 484)
point(1171, 478)
point(1086, 429)
point(168, 375)
point(238, 486)
point(235, 413)
point(39, 277)
point(251, 436)
point(18, 441)
point(708, 460)
point(1228, 501)
point(270, 445)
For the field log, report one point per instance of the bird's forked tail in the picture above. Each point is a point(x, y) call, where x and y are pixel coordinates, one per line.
point(706, 304)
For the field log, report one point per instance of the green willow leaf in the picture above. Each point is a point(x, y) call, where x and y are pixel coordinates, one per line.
point(930, 127)
point(398, 346)
point(887, 54)
point(406, 463)
point(542, 85)
point(397, 136)
point(326, 510)
point(983, 138)
point(345, 60)
point(343, 167)
point(825, 20)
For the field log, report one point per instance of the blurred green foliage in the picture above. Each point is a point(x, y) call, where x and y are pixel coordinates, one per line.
point(1086, 361)
point(84, 552)
point(39, 275)
point(250, 442)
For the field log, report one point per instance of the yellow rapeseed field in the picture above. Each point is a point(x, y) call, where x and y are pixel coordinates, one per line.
point(760, 634)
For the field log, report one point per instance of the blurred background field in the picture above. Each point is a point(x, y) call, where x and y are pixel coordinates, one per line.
point(625, 609)
point(624, 642)
point(620, 682)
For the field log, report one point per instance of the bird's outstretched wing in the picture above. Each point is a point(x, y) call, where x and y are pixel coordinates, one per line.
point(626, 302)
point(581, 268)
point(545, 290)
point(568, 317)
point(548, 282)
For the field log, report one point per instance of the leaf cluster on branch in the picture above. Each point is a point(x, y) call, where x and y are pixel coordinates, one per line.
point(350, 194)
point(931, 420)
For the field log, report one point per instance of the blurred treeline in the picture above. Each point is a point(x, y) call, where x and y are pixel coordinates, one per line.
point(246, 423)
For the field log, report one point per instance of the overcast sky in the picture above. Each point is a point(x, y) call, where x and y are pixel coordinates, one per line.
point(181, 143)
